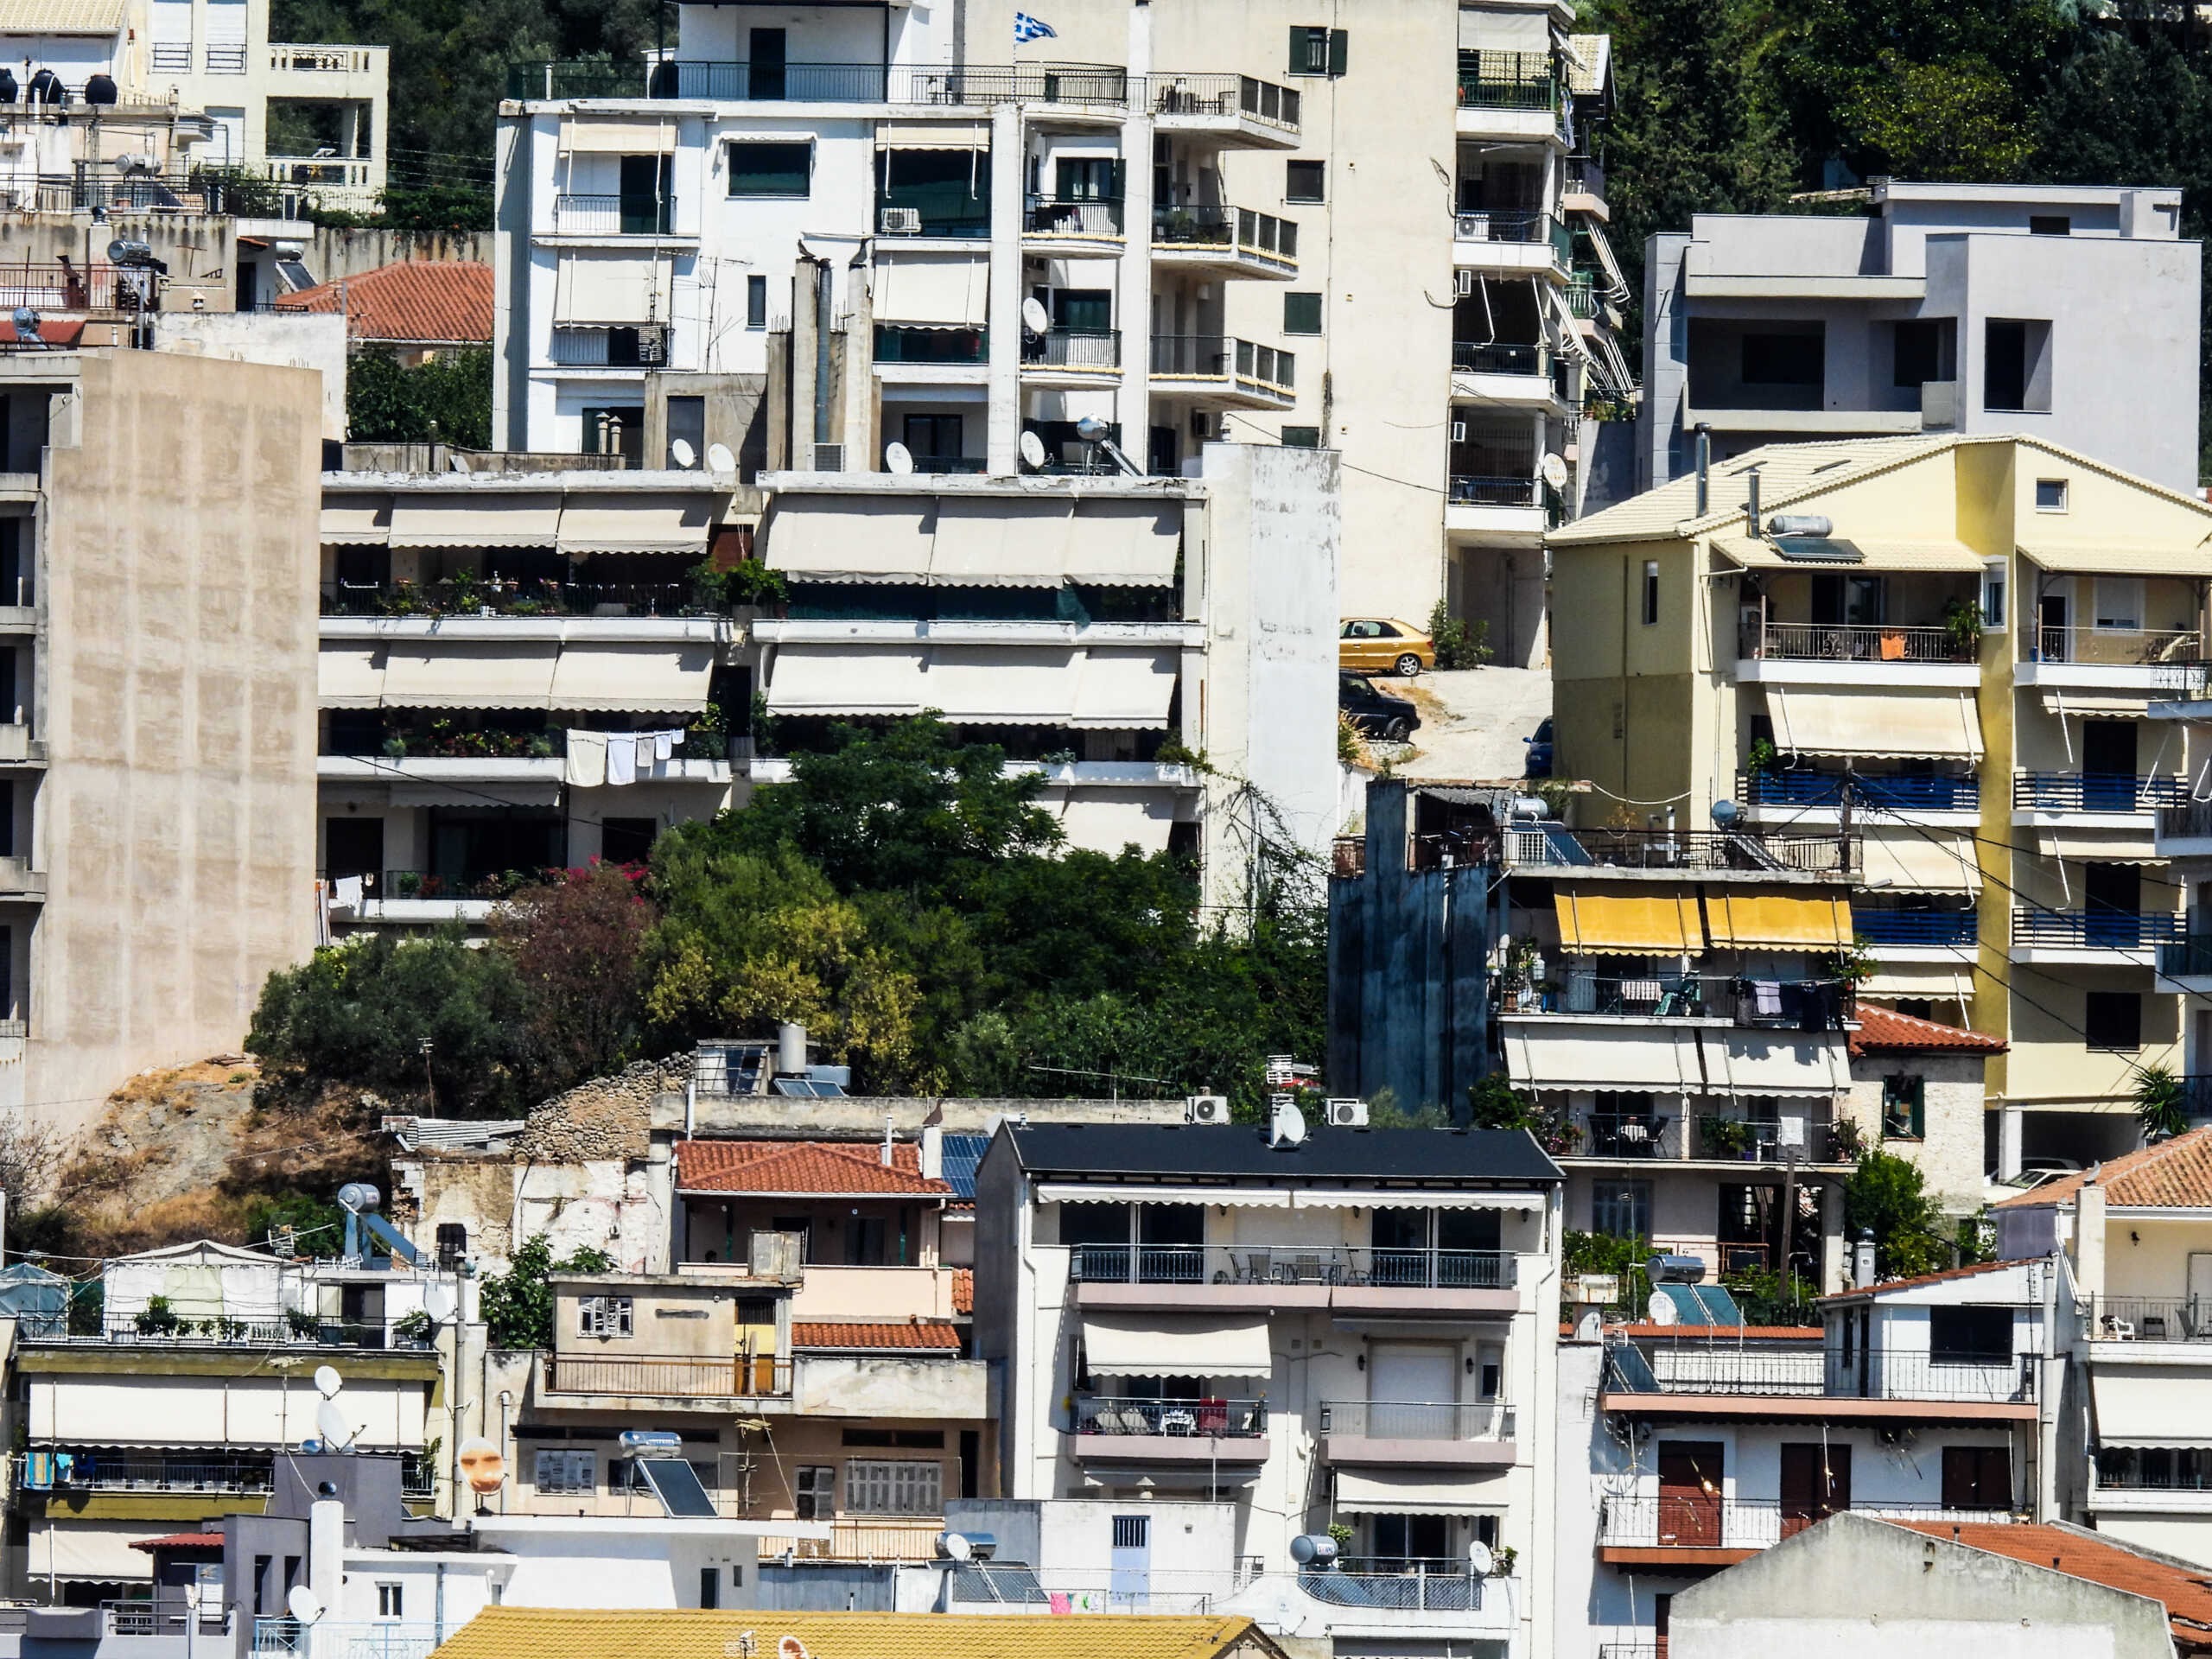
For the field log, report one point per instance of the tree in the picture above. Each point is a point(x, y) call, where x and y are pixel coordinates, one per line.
point(447, 399)
point(573, 945)
point(518, 1304)
point(1886, 1195)
point(2161, 1105)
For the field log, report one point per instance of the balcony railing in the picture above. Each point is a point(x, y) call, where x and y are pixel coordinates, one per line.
point(1583, 295)
point(2140, 647)
point(1230, 230)
point(163, 1615)
point(1632, 1134)
point(1087, 216)
point(101, 1471)
point(1205, 1417)
point(597, 215)
point(56, 287)
point(1723, 1137)
point(1824, 642)
point(1876, 1374)
point(2095, 791)
point(1933, 793)
point(1586, 175)
point(744, 1377)
point(511, 596)
point(1397, 1584)
point(1498, 357)
point(2188, 956)
point(1935, 927)
point(1751, 847)
point(1393, 1420)
point(1795, 1005)
point(2183, 820)
point(1478, 492)
point(882, 1538)
point(937, 210)
point(1507, 80)
point(383, 1639)
point(1708, 1521)
point(287, 57)
point(613, 346)
point(175, 1331)
point(2155, 1319)
point(1073, 348)
point(1517, 226)
point(894, 344)
point(1292, 1264)
point(1224, 95)
point(2098, 930)
point(1263, 370)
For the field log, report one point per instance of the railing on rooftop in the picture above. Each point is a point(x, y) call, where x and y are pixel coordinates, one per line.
point(2098, 929)
point(179, 1329)
point(2095, 791)
point(1876, 1374)
point(1395, 1420)
point(316, 58)
point(745, 1376)
point(53, 286)
point(1793, 788)
point(1205, 1417)
point(163, 1615)
point(1833, 642)
point(1507, 80)
point(2140, 647)
point(1707, 1521)
point(2156, 1318)
point(1930, 927)
point(863, 1539)
point(1749, 848)
point(1295, 1264)
point(1401, 1583)
point(359, 1639)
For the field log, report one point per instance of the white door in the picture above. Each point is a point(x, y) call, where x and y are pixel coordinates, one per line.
point(1412, 1391)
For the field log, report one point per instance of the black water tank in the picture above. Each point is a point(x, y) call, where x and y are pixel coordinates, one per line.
point(7, 86)
point(100, 89)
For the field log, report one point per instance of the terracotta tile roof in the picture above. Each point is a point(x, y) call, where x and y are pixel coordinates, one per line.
point(1889, 1285)
point(1884, 1031)
point(179, 1541)
point(823, 1168)
point(2175, 1173)
point(426, 302)
point(964, 1290)
point(914, 1333)
point(2185, 1591)
point(567, 1633)
point(1728, 1332)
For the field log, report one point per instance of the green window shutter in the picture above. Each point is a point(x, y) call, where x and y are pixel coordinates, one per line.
point(1301, 314)
point(1340, 44)
point(1302, 437)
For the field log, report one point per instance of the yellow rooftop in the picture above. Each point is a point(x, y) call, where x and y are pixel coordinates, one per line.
point(566, 1633)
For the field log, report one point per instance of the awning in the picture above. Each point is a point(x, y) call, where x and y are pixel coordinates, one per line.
point(1418, 1491)
point(1900, 723)
point(1934, 981)
point(480, 792)
point(91, 1550)
point(601, 138)
point(2094, 846)
point(1756, 1062)
point(349, 677)
point(933, 134)
point(655, 522)
point(1118, 545)
point(1168, 1344)
point(476, 520)
point(1243, 1197)
point(951, 292)
point(633, 679)
point(992, 542)
point(993, 685)
point(1755, 554)
point(1574, 1055)
point(2190, 558)
point(353, 520)
point(474, 674)
point(2135, 1407)
point(1106, 821)
point(1788, 921)
point(613, 288)
point(1117, 691)
point(1659, 921)
point(1355, 1198)
point(1912, 863)
point(841, 680)
point(837, 539)
point(2062, 702)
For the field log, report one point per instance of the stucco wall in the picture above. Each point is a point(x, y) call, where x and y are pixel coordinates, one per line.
point(312, 340)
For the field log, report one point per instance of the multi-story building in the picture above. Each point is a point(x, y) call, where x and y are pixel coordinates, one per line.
point(1955, 307)
point(1950, 643)
point(931, 235)
point(1340, 1329)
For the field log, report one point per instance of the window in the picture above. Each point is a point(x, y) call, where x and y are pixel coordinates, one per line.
point(1318, 51)
point(756, 301)
point(1970, 1336)
point(1304, 181)
point(2051, 495)
point(1302, 437)
point(1782, 360)
point(1903, 1116)
point(2049, 224)
point(1993, 595)
point(1621, 1209)
point(391, 1601)
point(1920, 352)
point(2016, 365)
point(453, 1242)
point(904, 1487)
point(627, 841)
point(814, 1490)
point(758, 168)
point(1650, 591)
point(563, 1472)
point(1977, 1477)
point(603, 1316)
point(2114, 1021)
point(1301, 314)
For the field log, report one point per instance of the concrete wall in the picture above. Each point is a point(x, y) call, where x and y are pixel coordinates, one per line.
point(1950, 1155)
point(314, 342)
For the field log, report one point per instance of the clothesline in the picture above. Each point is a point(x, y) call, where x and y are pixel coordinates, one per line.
point(611, 760)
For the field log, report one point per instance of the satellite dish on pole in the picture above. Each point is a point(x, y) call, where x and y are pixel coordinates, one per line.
point(331, 1425)
point(1034, 318)
point(682, 453)
point(1032, 450)
point(304, 1604)
point(1554, 471)
point(1660, 1308)
point(328, 1382)
point(898, 458)
point(719, 458)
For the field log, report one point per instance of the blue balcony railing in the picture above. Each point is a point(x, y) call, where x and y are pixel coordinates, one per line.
point(1945, 927)
point(2098, 929)
point(2095, 791)
point(1913, 794)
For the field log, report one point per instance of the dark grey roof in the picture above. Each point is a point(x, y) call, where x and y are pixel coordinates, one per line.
point(1240, 1151)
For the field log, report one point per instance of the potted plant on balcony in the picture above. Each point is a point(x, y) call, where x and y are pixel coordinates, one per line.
point(157, 1318)
point(1963, 623)
point(1727, 1137)
point(1847, 1141)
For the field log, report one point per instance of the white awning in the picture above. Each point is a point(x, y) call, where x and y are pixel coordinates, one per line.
point(355, 520)
point(471, 520)
point(1938, 982)
point(476, 674)
point(1900, 723)
point(1243, 1197)
point(1575, 1055)
point(2099, 847)
point(633, 679)
point(1168, 1344)
point(1112, 544)
point(841, 680)
point(648, 522)
point(604, 138)
point(1754, 1063)
point(1106, 821)
point(479, 792)
point(2192, 557)
point(87, 1549)
point(992, 685)
point(933, 134)
point(1119, 690)
point(2137, 1407)
point(1354, 1197)
point(2062, 702)
point(833, 539)
point(1418, 1491)
point(993, 541)
point(1921, 862)
point(349, 677)
point(613, 288)
point(946, 292)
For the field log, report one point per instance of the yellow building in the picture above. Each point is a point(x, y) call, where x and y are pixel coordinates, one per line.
point(1947, 646)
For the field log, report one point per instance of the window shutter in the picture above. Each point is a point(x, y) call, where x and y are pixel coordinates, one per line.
point(1339, 44)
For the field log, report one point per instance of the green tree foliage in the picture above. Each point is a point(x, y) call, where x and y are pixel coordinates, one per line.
point(518, 1304)
point(573, 945)
point(1886, 1196)
point(2160, 1104)
point(447, 399)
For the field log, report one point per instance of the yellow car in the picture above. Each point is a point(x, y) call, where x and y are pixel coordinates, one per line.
point(1382, 644)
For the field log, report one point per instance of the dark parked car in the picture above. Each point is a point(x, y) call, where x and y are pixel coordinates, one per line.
point(1376, 713)
point(1540, 752)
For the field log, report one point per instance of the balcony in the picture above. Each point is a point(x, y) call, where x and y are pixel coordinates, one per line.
point(1281, 1267)
point(1583, 188)
point(946, 212)
point(2187, 957)
point(1931, 929)
point(1224, 241)
point(1752, 849)
point(1686, 1521)
point(1507, 80)
point(1893, 793)
point(479, 598)
point(330, 1639)
point(1824, 642)
point(2154, 1319)
point(1717, 1381)
point(1397, 1584)
point(2097, 931)
point(1514, 507)
point(1458, 1434)
point(1735, 1138)
point(1090, 224)
point(962, 347)
point(1224, 370)
point(2184, 829)
point(1238, 109)
point(2095, 791)
point(583, 346)
point(104, 1472)
point(740, 1377)
point(2149, 662)
point(171, 1331)
point(863, 1538)
point(161, 1615)
point(603, 215)
point(1511, 242)
point(827, 1291)
point(1784, 1005)
point(1076, 357)
point(1206, 1430)
point(1510, 375)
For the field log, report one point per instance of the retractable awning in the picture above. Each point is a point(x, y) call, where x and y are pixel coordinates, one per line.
point(1356, 1198)
point(1914, 861)
point(2136, 1408)
point(988, 542)
point(349, 677)
point(1168, 1344)
point(1115, 545)
point(1117, 691)
point(1900, 723)
point(1931, 980)
point(839, 680)
point(2062, 702)
point(618, 137)
point(633, 679)
point(1784, 921)
point(474, 674)
point(2093, 847)
point(1761, 1063)
point(993, 685)
point(1660, 921)
point(356, 520)
point(1659, 1058)
point(643, 523)
point(614, 288)
point(1418, 1491)
point(2189, 558)
point(933, 134)
point(946, 292)
point(503, 520)
point(1244, 1197)
point(852, 540)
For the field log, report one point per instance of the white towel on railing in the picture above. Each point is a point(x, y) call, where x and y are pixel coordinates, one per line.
point(622, 760)
point(1766, 997)
point(587, 767)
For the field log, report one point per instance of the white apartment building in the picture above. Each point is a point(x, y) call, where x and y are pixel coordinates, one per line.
point(860, 210)
point(1351, 1329)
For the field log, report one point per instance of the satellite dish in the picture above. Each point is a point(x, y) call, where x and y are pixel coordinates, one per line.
point(481, 1466)
point(1660, 1309)
point(899, 458)
point(1554, 472)
point(1480, 1561)
point(682, 453)
point(1725, 814)
point(956, 1547)
point(1090, 428)
point(440, 1302)
point(1035, 318)
point(1032, 449)
point(720, 459)
point(328, 1382)
point(458, 463)
point(330, 1422)
point(304, 1604)
point(1288, 1126)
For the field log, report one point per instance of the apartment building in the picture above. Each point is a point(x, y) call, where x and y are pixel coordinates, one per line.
point(863, 217)
point(1951, 643)
point(1339, 1328)
point(1938, 308)
point(1689, 1447)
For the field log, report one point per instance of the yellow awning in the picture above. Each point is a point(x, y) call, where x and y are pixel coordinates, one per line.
point(1788, 921)
point(1657, 922)
point(2094, 847)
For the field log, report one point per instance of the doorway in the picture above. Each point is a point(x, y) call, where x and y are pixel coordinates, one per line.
point(2050, 628)
point(2108, 762)
point(2199, 1288)
point(1690, 1477)
point(766, 76)
point(2112, 896)
point(1816, 1484)
point(1129, 1584)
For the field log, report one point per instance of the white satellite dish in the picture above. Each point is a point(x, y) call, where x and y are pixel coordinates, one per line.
point(304, 1604)
point(1554, 472)
point(1480, 1561)
point(328, 1382)
point(1032, 449)
point(719, 458)
point(440, 1302)
point(899, 458)
point(681, 451)
point(1285, 1124)
point(1660, 1309)
point(330, 1423)
point(956, 1547)
point(1035, 318)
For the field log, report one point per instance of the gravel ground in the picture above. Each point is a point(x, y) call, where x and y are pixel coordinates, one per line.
point(1472, 722)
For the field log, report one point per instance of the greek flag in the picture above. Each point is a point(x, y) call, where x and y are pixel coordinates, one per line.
point(1026, 27)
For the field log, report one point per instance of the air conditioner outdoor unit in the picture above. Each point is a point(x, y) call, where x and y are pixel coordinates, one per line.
point(1343, 1114)
point(1463, 283)
point(1205, 1108)
point(900, 222)
point(1458, 431)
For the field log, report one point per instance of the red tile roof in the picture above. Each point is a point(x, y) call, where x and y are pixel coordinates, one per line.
point(179, 1541)
point(1884, 1031)
point(2176, 1173)
point(2185, 1591)
point(416, 302)
point(823, 1168)
point(964, 1290)
point(1889, 1285)
point(933, 1334)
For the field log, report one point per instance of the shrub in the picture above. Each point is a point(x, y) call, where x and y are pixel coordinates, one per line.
point(1459, 643)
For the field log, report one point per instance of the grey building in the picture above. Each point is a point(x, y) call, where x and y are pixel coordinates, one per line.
point(2066, 313)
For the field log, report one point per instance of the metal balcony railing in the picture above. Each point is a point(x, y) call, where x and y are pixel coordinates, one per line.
point(1230, 230)
point(1477, 492)
point(1750, 847)
point(1835, 642)
point(1792, 787)
point(1507, 80)
point(383, 1639)
point(2188, 956)
point(1507, 225)
point(2095, 791)
point(1397, 1420)
point(1708, 1521)
point(2141, 647)
point(1292, 1264)
point(177, 1330)
point(1795, 1005)
point(2098, 929)
point(101, 1471)
point(1263, 370)
point(613, 215)
point(1582, 294)
point(511, 596)
point(1586, 175)
point(1087, 216)
point(1204, 1417)
point(1096, 349)
point(1871, 1374)
point(53, 286)
point(2156, 1318)
point(2186, 820)
point(603, 346)
point(895, 343)
point(1630, 1135)
point(1401, 1583)
point(163, 1614)
point(931, 210)
point(1935, 927)
point(1223, 95)
point(322, 59)
point(1499, 357)
point(1732, 1137)
point(745, 1376)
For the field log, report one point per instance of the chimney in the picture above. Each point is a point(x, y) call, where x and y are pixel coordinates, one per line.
point(883, 1153)
point(1752, 499)
point(932, 1152)
point(1862, 1260)
point(791, 1049)
point(1704, 466)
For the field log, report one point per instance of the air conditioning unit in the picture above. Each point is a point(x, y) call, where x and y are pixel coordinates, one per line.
point(1458, 431)
point(829, 457)
point(1463, 283)
point(899, 221)
point(1205, 1108)
point(1343, 1114)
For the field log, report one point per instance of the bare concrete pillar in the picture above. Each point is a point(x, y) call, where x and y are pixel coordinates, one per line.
point(1003, 412)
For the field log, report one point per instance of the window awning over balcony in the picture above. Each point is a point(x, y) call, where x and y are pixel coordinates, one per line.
point(988, 543)
point(933, 134)
point(618, 137)
point(633, 679)
point(1246, 1198)
point(1012, 685)
point(1776, 920)
point(2123, 558)
point(1900, 723)
point(976, 542)
point(2062, 702)
point(349, 677)
point(476, 520)
point(352, 520)
point(1921, 861)
point(2094, 847)
point(992, 684)
point(1158, 1344)
point(852, 539)
point(1117, 819)
point(1663, 1060)
point(1418, 1491)
point(637, 522)
point(1121, 690)
point(1368, 1198)
point(101, 1550)
point(2146, 1406)
point(1657, 920)
point(1761, 1063)
point(830, 680)
point(478, 674)
point(1933, 981)
point(1123, 545)
point(613, 288)
point(948, 292)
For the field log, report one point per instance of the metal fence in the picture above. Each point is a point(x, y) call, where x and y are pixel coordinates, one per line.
point(1830, 642)
point(2098, 929)
point(1292, 1264)
point(1793, 1005)
point(742, 1377)
point(390, 1639)
point(2155, 1318)
point(1794, 787)
point(511, 596)
point(1203, 1418)
point(2095, 791)
point(2187, 819)
point(1397, 1420)
point(1468, 490)
point(1931, 927)
point(1507, 80)
point(2143, 647)
point(616, 215)
point(1499, 357)
point(1397, 1584)
point(1073, 348)
point(1749, 848)
point(1088, 216)
point(101, 1471)
point(1707, 1521)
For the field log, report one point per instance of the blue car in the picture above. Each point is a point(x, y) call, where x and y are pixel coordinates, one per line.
point(1540, 752)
